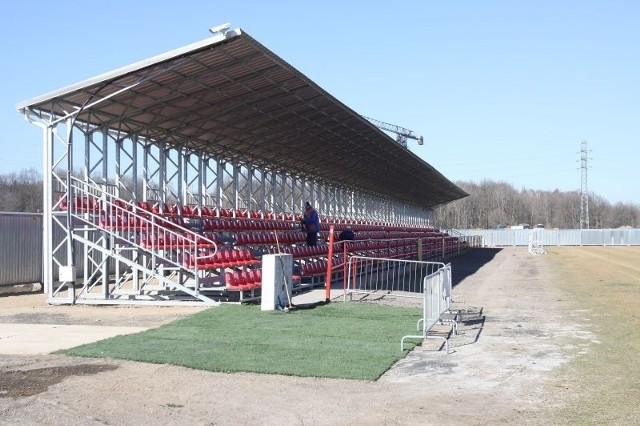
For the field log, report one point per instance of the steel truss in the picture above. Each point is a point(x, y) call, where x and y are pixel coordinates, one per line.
point(87, 265)
point(132, 167)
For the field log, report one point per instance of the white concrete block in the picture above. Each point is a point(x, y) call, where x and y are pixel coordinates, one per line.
point(276, 281)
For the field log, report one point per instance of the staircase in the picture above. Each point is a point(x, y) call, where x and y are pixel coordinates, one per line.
point(133, 254)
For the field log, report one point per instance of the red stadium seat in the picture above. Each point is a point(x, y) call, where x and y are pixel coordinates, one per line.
point(247, 258)
point(207, 212)
point(230, 282)
point(144, 206)
point(227, 261)
point(250, 280)
point(239, 280)
point(257, 277)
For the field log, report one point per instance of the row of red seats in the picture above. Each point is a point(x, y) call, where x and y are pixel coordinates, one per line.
point(244, 280)
point(359, 245)
point(318, 267)
point(232, 258)
point(415, 234)
point(123, 223)
point(248, 279)
point(295, 237)
point(171, 240)
point(162, 240)
point(91, 203)
point(269, 238)
point(371, 225)
point(225, 219)
point(403, 253)
point(131, 222)
point(85, 203)
point(215, 212)
point(392, 253)
point(252, 219)
point(306, 251)
point(354, 247)
point(210, 224)
point(189, 210)
point(176, 241)
point(362, 231)
point(387, 235)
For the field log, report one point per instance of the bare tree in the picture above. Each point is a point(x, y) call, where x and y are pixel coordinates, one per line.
point(21, 192)
point(497, 203)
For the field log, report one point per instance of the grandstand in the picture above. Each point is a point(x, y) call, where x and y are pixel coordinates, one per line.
point(168, 179)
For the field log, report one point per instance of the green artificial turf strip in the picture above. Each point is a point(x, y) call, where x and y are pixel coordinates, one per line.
point(338, 340)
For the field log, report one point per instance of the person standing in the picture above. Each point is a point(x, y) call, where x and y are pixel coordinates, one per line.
point(311, 224)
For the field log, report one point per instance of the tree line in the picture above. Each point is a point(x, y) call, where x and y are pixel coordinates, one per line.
point(495, 204)
point(490, 205)
point(21, 192)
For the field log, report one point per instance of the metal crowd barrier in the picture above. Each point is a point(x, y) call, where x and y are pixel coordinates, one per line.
point(436, 301)
point(429, 282)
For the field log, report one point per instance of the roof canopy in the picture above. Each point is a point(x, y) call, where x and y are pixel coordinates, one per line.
point(230, 97)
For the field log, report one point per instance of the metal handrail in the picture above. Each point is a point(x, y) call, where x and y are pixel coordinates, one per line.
point(164, 237)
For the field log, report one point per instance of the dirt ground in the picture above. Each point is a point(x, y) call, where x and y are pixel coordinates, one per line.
point(501, 369)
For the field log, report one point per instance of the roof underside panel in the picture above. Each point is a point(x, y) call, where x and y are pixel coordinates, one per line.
point(232, 98)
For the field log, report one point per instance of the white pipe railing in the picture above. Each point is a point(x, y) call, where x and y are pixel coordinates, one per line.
point(165, 238)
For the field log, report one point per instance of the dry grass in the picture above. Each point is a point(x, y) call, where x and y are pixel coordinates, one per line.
point(602, 385)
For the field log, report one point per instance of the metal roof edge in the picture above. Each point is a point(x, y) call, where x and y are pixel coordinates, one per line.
point(210, 41)
point(274, 56)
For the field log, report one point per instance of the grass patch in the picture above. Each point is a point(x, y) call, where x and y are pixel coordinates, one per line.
point(337, 340)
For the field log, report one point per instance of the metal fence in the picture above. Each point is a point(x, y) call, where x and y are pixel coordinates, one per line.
point(429, 282)
point(21, 255)
point(378, 275)
point(436, 301)
point(556, 237)
point(20, 248)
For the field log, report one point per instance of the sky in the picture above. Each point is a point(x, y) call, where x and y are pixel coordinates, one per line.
point(501, 90)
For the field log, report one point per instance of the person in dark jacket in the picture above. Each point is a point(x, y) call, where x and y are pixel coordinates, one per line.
point(347, 234)
point(311, 224)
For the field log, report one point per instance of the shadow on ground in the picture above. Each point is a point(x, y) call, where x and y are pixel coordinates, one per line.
point(469, 263)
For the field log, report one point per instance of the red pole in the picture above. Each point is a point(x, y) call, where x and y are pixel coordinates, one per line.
point(327, 284)
point(344, 265)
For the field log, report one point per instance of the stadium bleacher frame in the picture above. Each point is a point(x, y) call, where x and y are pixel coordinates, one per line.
point(223, 124)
